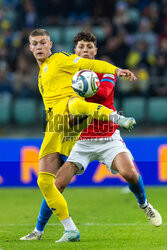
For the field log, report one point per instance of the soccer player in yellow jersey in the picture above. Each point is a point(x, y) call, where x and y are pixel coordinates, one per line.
point(55, 85)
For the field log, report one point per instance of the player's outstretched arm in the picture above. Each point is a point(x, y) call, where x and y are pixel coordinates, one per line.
point(99, 66)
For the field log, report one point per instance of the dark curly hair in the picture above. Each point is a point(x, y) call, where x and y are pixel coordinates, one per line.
point(85, 36)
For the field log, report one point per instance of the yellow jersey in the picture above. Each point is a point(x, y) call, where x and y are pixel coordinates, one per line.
point(56, 72)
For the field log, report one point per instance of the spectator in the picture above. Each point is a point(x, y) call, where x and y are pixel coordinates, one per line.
point(140, 86)
point(30, 14)
point(25, 83)
point(5, 79)
point(145, 34)
point(140, 56)
point(158, 84)
point(79, 12)
point(153, 14)
point(121, 17)
point(55, 6)
point(116, 47)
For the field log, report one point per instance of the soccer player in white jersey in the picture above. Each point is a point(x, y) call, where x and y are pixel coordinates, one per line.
point(100, 141)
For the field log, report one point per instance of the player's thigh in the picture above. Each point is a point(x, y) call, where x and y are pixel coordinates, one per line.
point(74, 105)
point(111, 149)
point(124, 164)
point(81, 156)
point(50, 163)
point(48, 155)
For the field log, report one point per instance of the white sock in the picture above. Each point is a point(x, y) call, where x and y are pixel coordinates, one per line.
point(39, 232)
point(114, 117)
point(68, 224)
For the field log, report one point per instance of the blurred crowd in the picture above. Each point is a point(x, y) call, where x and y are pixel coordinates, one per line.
point(131, 34)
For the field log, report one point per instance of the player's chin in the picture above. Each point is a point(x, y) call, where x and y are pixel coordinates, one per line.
point(40, 57)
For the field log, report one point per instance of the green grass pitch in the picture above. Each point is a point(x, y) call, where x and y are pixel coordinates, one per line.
point(106, 217)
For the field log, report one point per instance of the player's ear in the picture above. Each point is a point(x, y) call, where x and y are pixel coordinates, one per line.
point(51, 44)
point(75, 50)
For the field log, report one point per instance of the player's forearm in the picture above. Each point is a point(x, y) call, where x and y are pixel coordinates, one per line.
point(97, 66)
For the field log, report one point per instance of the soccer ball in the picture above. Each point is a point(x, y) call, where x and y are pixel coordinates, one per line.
point(85, 83)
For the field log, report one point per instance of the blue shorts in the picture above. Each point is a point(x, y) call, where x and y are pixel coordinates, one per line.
point(63, 158)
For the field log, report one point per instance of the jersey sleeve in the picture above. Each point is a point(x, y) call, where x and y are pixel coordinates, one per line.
point(96, 66)
point(67, 62)
point(73, 63)
point(107, 83)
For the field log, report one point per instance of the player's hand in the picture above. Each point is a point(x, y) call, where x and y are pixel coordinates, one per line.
point(126, 122)
point(125, 73)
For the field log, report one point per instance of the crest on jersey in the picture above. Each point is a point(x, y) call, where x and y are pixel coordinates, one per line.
point(45, 68)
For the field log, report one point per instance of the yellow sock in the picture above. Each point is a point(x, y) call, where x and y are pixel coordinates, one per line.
point(79, 106)
point(54, 198)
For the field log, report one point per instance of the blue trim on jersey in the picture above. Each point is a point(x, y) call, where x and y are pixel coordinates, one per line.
point(108, 80)
point(64, 53)
point(63, 157)
point(51, 55)
point(61, 51)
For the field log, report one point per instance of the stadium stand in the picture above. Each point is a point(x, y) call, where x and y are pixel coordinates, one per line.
point(131, 34)
point(25, 111)
point(5, 109)
point(135, 106)
point(157, 110)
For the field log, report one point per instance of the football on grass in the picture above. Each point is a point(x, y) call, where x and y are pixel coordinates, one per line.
point(85, 83)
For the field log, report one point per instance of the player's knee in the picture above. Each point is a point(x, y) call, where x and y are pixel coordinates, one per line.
point(78, 106)
point(72, 106)
point(132, 177)
point(43, 182)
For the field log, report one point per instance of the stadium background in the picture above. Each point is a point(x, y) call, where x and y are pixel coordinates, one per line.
point(130, 34)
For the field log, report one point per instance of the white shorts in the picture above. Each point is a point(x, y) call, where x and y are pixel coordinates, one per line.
point(103, 150)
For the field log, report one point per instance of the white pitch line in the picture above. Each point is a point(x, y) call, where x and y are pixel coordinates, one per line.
point(84, 224)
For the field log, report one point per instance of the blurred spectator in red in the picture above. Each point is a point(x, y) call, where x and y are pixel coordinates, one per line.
point(163, 34)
